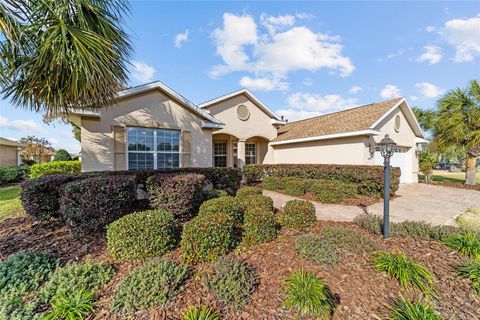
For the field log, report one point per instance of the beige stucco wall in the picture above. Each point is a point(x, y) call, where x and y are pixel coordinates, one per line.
point(259, 124)
point(151, 109)
point(8, 156)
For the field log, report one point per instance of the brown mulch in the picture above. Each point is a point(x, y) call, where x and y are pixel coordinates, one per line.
point(460, 185)
point(361, 291)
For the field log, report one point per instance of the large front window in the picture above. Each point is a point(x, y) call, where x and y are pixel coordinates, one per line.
point(220, 154)
point(153, 148)
point(250, 153)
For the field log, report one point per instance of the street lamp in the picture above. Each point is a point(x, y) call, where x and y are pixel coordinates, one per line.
point(386, 147)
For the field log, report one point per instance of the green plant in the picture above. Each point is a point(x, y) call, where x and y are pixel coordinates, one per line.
point(470, 220)
point(273, 183)
point(214, 193)
point(297, 186)
point(347, 239)
point(13, 174)
point(404, 309)
point(180, 194)
point(200, 313)
point(371, 222)
point(256, 201)
point(227, 205)
point(71, 306)
point(309, 295)
point(329, 191)
point(41, 169)
point(232, 281)
point(298, 214)
point(259, 226)
point(248, 191)
point(62, 155)
point(153, 284)
point(206, 237)
point(74, 277)
point(426, 161)
point(405, 271)
point(142, 234)
point(467, 244)
point(471, 271)
point(317, 249)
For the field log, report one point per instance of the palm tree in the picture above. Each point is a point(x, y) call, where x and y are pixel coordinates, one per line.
point(59, 55)
point(426, 118)
point(459, 123)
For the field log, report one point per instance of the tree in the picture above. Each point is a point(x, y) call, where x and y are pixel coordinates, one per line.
point(426, 161)
point(426, 118)
point(64, 54)
point(459, 123)
point(62, 155)
point(35, 149)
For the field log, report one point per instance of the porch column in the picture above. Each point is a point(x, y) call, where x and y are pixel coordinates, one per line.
point(241, 153)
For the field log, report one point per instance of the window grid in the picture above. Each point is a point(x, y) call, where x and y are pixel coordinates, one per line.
point(250, 153)
point(220, 154)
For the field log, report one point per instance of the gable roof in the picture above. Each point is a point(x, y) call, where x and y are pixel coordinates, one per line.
point(250, 95)
point(8, 142)
point(361, 120)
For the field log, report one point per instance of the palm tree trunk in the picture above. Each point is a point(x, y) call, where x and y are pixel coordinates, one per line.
point(471, 169)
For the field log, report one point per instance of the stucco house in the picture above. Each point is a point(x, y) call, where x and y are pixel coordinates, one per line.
point(9, 152)
point(154, 127)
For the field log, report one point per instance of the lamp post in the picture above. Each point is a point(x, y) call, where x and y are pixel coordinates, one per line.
point(387, 148)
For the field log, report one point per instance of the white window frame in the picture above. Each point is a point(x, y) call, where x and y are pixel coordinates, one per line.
point(155, 151)
point(248, 156)
point(220, 155)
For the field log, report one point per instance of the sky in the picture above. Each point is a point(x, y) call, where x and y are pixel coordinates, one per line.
point(301, 59)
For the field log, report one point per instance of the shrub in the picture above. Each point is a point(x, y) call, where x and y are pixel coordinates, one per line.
point(62, 155)
point(369, 179)
point(259, 226)
point(404, 309)
point(297, 187)
point(248, 191)
point(470, 220)
point(232, 282)
point(141, 235)
point(227, 205)
point(90, 204)
point(13, 174)
point(153, 284)
point(307, 293)
point(207, 237)
point(180, 194)
point(317, 249)
point(71, 306)
point(348, 240)
point(256, 201)
point(405, 271)
point(471, 271)
point(332, 191)
point(371, 222)
point(298, 214)
point(74, 277)
point(201, 313)
point(467, 244)
point(273, 183)
point(214, 193)
point(41, 197)
point(41, 169)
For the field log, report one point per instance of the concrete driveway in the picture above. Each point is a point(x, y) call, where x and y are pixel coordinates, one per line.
point(421, 202)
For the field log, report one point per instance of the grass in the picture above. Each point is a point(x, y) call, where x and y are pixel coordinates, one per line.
point(467, 244)
point(442, 176)
point(470, 219)
point(10, 203)
point(471, 271)
point(405, 309)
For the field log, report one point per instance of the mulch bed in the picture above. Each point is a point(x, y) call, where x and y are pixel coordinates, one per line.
point(460, 185)
point(361, 292)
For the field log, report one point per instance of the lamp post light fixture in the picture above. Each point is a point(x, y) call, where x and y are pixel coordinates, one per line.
point(386, 147)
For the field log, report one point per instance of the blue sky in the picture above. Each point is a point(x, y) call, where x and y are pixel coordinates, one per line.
point(300, 58)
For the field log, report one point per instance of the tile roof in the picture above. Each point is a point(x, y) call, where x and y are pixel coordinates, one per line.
point(355, 119)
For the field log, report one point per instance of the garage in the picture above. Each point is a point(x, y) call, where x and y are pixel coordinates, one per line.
point(400, 160)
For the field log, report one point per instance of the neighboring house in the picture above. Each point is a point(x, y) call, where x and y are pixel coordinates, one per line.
point(152, 126)
point(9, 152)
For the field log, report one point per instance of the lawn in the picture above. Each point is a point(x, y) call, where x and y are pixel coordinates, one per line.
point(10, 204)
point(445, 176)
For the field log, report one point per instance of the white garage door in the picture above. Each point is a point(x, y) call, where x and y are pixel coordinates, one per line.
point(399, 159)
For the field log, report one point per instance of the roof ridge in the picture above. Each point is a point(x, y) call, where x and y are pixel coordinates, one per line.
point(223, 95)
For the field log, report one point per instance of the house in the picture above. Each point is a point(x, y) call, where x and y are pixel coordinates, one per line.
point(153, 126)
point(9, 153)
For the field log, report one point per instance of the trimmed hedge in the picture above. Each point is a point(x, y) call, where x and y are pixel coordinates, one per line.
point(227, 205)
point(369, 179)
point(90, 204)
point(180, 194)
point(298, 214)
point(141, 235)
point(259, 226)
point(13, 174)
point(41, 197)
point(207, 237)
point(41, 169)
point(248, 191)
point(329, 191)
point(256, 201)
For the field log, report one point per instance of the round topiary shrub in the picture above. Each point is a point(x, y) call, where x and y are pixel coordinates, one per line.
point(298, 214)
point(141, 235)
point(249, 191)
point(255, 201)
point(228, 205)
point(207, 237)
point(62, 155)
point(259, 226)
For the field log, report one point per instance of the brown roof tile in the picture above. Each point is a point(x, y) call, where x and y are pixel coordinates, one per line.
point(355, 119)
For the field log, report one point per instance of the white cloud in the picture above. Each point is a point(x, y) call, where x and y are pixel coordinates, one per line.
point(429, 90)
point(243, 48)
point(355, 90)
point(276, 23)
point(432, 54)
point(294, 115)
point(464, 36)
point(308, 82)
point(22, 125)
point(263, 84)
point(317, 103)
point(390, 91)
point(430, 28)
point(181, 38)
point(142, 72)
point(413, 98)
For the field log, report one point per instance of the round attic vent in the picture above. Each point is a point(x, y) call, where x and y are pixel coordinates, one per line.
point(397, 123)
point(242, 112)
